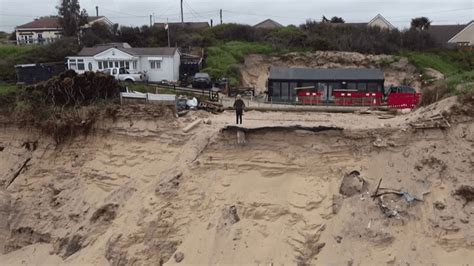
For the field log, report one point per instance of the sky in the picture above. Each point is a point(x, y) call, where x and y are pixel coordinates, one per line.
point(296, 12)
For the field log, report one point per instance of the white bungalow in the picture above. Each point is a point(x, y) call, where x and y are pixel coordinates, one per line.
point(159, 63)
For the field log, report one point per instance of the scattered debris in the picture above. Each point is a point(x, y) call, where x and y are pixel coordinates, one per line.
point(211, 107)
point(17, 172)
point(191, 126)
point(466, 192)
point(435, 121)
point(338, 239)
point(352, 184)
point(233, 215)
point(179, 256)
point(439, 205)
point(388, 210)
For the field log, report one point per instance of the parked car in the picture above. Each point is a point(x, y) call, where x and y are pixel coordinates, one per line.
point(202, 81)
point(122, 74)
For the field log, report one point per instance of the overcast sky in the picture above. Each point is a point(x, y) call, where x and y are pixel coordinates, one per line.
point(127, 12)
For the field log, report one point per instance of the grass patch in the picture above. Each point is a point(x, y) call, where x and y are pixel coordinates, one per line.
point(456, 66)
point(7, 88)
point(223, 60)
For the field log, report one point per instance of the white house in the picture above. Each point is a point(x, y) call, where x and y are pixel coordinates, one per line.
point(158, 63)
point(465, 37)
point(48, 30)
point(377, 21)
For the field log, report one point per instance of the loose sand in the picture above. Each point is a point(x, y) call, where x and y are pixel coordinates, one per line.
point(140, 191)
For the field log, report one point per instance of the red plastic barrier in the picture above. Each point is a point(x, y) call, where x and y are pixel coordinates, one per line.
point(310, 98)
point(403, 100)
point(357, 98)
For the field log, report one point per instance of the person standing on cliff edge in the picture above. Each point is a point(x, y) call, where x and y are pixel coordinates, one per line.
point(239, 106)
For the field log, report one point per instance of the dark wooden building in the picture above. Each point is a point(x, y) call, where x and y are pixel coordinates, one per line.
point(34, 73)
point(284, 83)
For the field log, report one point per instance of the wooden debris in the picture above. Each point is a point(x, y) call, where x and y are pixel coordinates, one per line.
point(191, 126)
point(17, 173)
point(435, 121)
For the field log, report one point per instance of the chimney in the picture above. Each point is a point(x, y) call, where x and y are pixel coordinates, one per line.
point(97, 11)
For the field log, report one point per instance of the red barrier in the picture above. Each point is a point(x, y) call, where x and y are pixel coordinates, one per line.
point(310, 98)
point(403, 100)
point(357, 98)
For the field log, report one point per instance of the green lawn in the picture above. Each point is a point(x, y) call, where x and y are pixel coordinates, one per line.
point(457, 66)
point(222, 60)
point(7, 88)
point(14, 51)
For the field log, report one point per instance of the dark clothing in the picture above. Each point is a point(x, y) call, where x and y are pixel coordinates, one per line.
point(238, 115)
point(239, 106)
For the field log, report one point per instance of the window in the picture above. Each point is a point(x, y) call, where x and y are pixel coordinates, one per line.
point(362, 87)
point(335, 86)
point(372, 87)
point(72, 64)
point(134, 65)
point(116, 64)
point(293, 85)
point(352, 86)
point(284, 90)
point(127, 65)
point(276, 90)
point(89, 66)
point(155, 64)
point(80, 64)
point(100, 65)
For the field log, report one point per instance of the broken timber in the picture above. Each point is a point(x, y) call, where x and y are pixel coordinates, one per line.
point(279, 128)
point(17, 173)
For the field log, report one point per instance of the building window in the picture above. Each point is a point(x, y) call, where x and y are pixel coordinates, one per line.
point(116, 64)
point(335, 86)
point(362, 87)
point(80, 64)
point(122, 64)
point(127, 65)
point(100, 65)
point(155, 64)
point(284, 90)
point(372, 87)
point(89, 66)
point(276, 90)
point(134, 64)
point(72, 64)
point(352, 86)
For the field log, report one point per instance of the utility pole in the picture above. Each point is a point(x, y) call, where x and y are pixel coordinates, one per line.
point(182, 17)
point(97, 11)
point(150, 21)
point(221, 15)
point(168, 31)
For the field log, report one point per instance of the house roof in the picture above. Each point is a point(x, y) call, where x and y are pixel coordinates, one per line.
point(268, 24)
point(91, 51)
point(51, 22)
point(459, 34)
point(41, 23)
point(281, 73)
point(441, 34)
point(187, 25)
point(389, 25)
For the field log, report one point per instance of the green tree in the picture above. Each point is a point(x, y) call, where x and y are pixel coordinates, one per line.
point(71, 18)
point(337, 20)
point(420, 23)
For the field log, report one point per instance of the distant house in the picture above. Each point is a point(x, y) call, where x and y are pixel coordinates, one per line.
point(268, 24)
point(441, 34)
point(377, 21)
point(186, 25)
point(159, 63)
point(465, 37)
point(47, 29)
